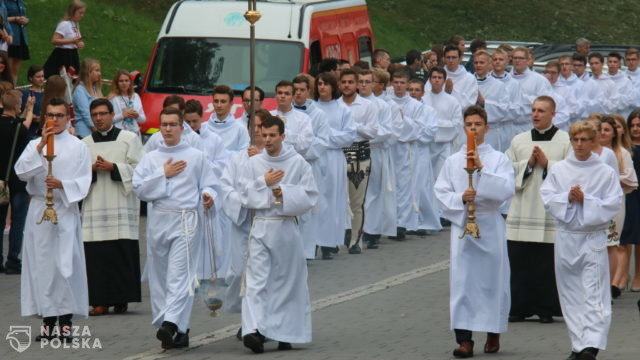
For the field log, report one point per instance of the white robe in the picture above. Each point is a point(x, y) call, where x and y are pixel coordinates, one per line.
point(363, 113)
point(517, 107)
point(174, 228)
point(297, 129)
point(449, 133)
point(627, 93)
point(380, 206)
point(342, 133)
point(465, 88)
point(498, 107)
point(311, 226)
point(235, 177)
point(571, 106)
point(610, 97)
point(231, 135)
point(581, 263)
point(480, 274)
point(54, 278)
point(532, 85)
point(276, 302)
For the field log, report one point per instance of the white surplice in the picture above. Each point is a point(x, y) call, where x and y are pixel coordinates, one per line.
point(174, 228)
point(276, 301)
point(311, 226)
point(532, 85)
point(342, 133)
point(581, 263)
point(465, 88)
point(297, 129)
point(498, 107)
point(517, 106)
point(449, 133)
point(188, 136)
point(54, 278)
point(380, 206)
point(627, 93)
point(480, 274)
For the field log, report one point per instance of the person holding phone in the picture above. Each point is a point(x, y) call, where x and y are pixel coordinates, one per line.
point(67, 39)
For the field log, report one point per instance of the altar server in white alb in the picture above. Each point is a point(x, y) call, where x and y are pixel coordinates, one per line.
point(460, 83)
point(357, 154)
point(299, 129)
point(342, 132)
point(532, 85)
point(54, 278)
point(493, 96)
point(234, 179)
point(276, 304)
point(380, 206)
point(175, 180)
point(583, 194)
point(499, 61)
point(311, 224)
point(188, 135)
point(480, 296)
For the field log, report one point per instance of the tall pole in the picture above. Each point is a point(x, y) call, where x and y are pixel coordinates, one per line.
point(252, 15)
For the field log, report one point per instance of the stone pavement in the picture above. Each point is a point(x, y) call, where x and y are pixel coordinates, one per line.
point(403, 315)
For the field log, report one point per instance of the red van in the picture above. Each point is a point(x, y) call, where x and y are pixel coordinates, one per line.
point(205, 43)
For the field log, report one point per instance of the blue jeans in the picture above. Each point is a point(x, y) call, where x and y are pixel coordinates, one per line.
point(19, 206)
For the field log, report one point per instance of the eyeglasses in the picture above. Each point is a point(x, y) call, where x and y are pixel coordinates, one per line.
point(170, 125)
point(580, 140)
point(101, 113)
point(57, 116)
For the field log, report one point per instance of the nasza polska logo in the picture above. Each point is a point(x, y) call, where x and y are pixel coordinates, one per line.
point(19, 337)
point(75, 337)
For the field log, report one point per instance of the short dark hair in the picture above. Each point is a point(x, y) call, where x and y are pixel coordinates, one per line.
point(331, 80)
point(439, 70)
point(362, 64)
point(477, 44)
point(579, 57)
point(58, 101)
point(452, 48)
point(172, 111)
point(284, 83)
point(412, 56)
point(455, 40)
point(476, 110)
point(596, 55)
point(348, 72)
point(257, 88)
point(417, 81)
point(343, 61)
point(616, 55)
point(328, 64)
point(33, 69)
point(101, 102)
point(273, 121)
point(302, 79)
point(172, 100)
point(193, 106)
point(377, 53)
point(401, 74)
point(223, 90)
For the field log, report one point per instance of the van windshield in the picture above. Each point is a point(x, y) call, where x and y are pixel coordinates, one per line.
point(196, 65)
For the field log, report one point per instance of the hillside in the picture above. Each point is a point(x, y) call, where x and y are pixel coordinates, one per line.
point(121, 33)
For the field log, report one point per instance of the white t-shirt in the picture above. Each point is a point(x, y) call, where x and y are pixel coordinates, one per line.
point(68, 29)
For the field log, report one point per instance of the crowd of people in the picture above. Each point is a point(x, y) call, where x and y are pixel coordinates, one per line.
point(352, 154)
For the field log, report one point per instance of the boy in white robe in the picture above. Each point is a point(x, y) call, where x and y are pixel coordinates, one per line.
point(583, 194)
point(499, 61)
point(532, 85)
point(299, 129)
point(276, 304)
point(493, 96)
point(54, 279)
point(480, 296)
point(173, 179)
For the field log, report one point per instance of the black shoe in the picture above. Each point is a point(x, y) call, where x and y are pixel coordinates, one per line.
point(355, 249)
point(546, 319)
point(444, 222)
point(239, 334)
point(326, 253)
point(335, 250)
point(516, 318)
point(166, 333)
point(347, 237)
point(371, 240)
point(66, 332)
point(588, 354)
point(181, 340)
point(615, 291)
point(254, 341)
point(573, 356)
point(12, 270)
point(45, 333)
point(400, 234)
point(2, 269)
point(284, 346)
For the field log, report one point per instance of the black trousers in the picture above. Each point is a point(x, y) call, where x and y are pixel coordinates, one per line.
point(465, 335)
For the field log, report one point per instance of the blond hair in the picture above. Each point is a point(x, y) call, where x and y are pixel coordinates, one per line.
point(73, 7)
point(625, 138)
point(582, 127)
point(381, 76)
point(94, 89)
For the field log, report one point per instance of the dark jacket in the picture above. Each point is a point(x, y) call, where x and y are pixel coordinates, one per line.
point(7, 132)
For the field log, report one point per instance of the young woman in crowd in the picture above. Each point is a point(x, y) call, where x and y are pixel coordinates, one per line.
point(610, 138)
point(35, 75)
point(126, 103)
point(19, 49)
point(67, 39)
point(5, 68)
point(86, 90)
point(631, 231)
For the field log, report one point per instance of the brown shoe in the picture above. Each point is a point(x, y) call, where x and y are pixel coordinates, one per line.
point(493, 344)
point(465, 350)
point(120, 308)
point(99, 310)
